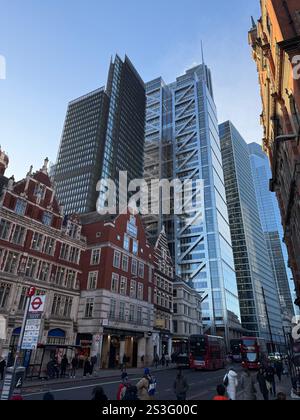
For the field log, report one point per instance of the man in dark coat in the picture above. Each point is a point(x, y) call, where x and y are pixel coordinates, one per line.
point(2, 368)
point(261, 379)
point(63, 366)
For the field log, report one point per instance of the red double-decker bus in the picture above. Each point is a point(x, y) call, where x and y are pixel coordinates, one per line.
point(254, 352)
point(207, 352)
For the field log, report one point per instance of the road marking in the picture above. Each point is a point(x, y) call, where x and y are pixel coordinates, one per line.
point(54, 391)
point(195, 397)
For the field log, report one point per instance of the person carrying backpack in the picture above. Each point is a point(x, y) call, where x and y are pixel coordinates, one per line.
point(231, 384)
point(147, 387)
point(124, 385)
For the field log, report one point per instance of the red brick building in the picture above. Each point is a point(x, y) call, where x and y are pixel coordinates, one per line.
point(275, 40)
point(116, 306)
point(40, 248)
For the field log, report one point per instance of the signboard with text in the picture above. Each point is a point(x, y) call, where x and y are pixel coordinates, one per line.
point(33, 323)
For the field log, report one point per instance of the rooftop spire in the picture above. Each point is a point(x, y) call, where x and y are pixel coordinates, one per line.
point(202, 53)
point(30, 171)
point(45, 167)
point(253, 22)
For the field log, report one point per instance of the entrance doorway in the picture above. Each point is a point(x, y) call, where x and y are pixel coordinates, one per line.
point(114, 353)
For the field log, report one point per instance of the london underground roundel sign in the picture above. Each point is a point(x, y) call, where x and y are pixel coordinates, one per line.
point(37, 304)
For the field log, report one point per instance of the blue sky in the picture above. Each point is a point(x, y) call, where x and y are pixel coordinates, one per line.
point(57, 50)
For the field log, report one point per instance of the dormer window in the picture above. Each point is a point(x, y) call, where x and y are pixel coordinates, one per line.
point(20, 208)
point(73, 230)
point(40, 192)
point(47, 218)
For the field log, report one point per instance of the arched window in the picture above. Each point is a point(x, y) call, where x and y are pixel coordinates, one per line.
point(57, 337)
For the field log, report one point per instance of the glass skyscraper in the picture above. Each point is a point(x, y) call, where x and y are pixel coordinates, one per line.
point(258, 294)
point(182, 142)
point(79, 160)
point(103, 134)
point(271, 224)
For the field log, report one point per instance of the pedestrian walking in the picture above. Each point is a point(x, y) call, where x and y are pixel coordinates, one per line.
point(123, 386)
point(124, 363)
point(87, 367)
point(279, 369)
point(221, 394)
point(167, 357)
point(2, 368)
point(231, 383)
point(156, 360)
point(94, 360)
point(63, 366)
point(262, 382)
point(270, 378)
point(99, 394)
point(248, 386)
point(52, 369)
point(74, 366)
point(180, 387)
point(163, 360)
point(173, 358)
point(147, 387)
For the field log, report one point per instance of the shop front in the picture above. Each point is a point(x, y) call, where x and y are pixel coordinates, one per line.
point(122, 348)
point(85, 343)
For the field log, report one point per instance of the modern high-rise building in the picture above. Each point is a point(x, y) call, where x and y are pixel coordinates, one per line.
point(182, 142)
point(272, 228)
point(103, 135)
point(79, 162)
point(158, 162)
point(258, 294)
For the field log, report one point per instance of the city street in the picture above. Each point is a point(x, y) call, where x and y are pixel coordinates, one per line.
point(149, 212)
point(202, 386)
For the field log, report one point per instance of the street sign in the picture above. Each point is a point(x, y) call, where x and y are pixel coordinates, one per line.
point(33, 323)
point(3, 328)
point(31, 291)
point(13, 379)
point(28, 340)
point(37, 304)
point(31, 334)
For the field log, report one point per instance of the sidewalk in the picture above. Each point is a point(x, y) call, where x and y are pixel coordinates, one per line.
point(99, 374)
point(284, 386)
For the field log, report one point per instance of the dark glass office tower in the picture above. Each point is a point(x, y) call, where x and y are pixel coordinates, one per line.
point(124, 145)
point(103, 135)
point(272, 228)
point(80, 155)
point(258, 294)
